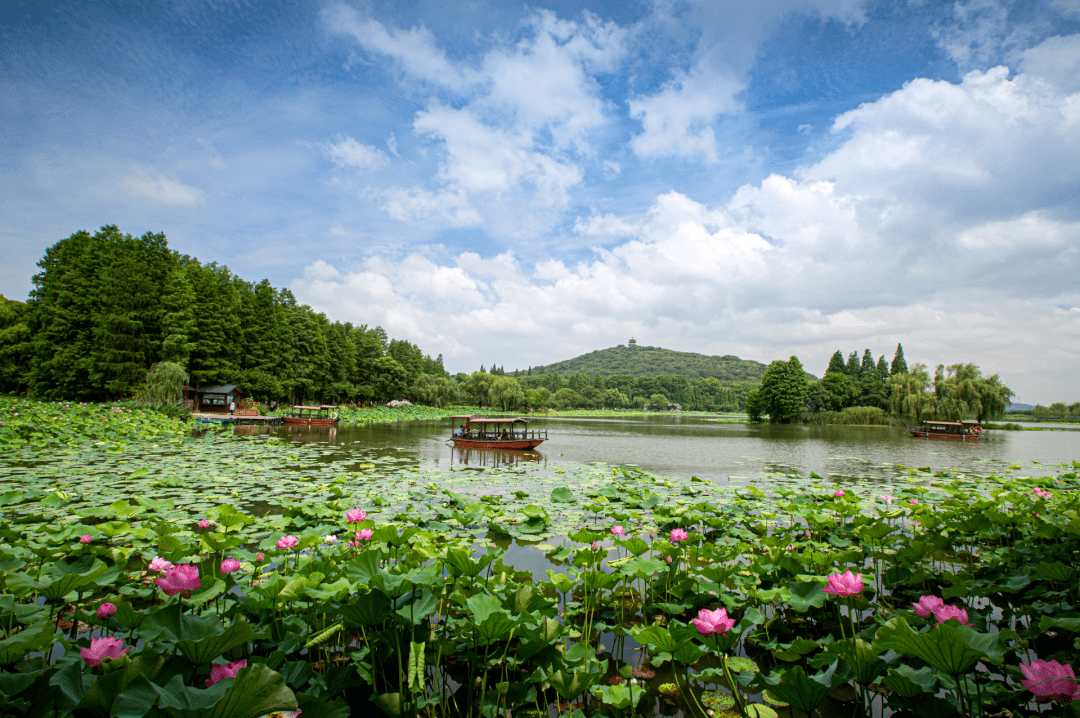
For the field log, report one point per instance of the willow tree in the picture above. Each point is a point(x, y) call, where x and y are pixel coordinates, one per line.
point(910, 395)
point(963, 392)
point(164, 384)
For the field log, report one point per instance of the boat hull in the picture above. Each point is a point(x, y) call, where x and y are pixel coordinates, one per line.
point(497, 443)
point(309, 422)
point(921, 434)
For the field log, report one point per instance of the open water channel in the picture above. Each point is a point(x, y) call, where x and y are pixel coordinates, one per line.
point(708, 447)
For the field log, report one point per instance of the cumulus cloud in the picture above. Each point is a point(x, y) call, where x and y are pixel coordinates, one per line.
point(517, 124)
point(910, 231)
point(677, 119)
point(160, 189)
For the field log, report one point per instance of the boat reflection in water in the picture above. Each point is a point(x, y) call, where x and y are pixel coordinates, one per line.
point(311, 433)
point(470, 458)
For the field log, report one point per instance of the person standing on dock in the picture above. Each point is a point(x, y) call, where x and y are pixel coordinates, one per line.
point(232, 406)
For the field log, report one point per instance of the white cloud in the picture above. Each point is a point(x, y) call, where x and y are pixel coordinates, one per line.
point(677, 121)
point(413, 50)
point(160, 189)
point(1056, 60)
point(408, 205)
point(347, 152)
point(515, 128)
point(927, 226)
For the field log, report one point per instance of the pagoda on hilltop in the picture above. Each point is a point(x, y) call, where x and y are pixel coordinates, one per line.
point(632, 344)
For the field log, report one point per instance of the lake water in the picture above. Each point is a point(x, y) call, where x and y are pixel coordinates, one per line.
point(684, 446)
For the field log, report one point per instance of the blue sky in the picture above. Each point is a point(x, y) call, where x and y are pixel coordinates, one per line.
point(518, 183)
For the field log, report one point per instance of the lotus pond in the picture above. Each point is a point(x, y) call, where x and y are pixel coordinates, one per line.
point(148, 573)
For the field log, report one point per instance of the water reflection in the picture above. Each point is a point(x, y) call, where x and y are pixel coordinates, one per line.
point(471, 458)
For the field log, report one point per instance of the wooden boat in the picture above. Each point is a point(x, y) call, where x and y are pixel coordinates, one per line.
point(479, 432)
point(968, 430)
point(311, 415)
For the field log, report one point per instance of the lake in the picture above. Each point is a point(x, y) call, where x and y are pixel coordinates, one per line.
point(684, 446)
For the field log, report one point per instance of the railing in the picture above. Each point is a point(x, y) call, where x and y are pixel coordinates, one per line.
point(526, 435)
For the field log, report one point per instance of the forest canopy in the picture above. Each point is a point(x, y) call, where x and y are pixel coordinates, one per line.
point(107, 307)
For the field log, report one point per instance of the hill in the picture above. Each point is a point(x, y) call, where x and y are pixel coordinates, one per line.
point(655, 361)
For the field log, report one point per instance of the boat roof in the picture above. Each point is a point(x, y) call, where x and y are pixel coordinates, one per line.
point(328, 406)
point(485, 420)
point(945, 423)
point(310, 408)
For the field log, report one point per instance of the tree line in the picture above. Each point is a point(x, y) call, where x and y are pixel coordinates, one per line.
point(106, 308)
point(956, 392)
point(560, 391)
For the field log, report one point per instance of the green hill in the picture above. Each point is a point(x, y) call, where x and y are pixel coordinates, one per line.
point(655, 361)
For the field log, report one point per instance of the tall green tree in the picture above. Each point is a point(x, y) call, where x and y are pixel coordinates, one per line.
point(853, 368)
point(16, 349)
point(836, 364)
point(783, 391)
point(899, 364)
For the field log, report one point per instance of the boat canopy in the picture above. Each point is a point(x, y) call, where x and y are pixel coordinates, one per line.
point(309, 408)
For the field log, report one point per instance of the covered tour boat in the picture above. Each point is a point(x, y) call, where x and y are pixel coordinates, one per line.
point(480, 432)
point(968, 430)
point(324, 415)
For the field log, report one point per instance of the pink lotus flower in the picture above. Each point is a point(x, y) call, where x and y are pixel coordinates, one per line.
point(355, 516)
point(913, 502)
point(839, 493)
point(1050, 681)
point(160, 564)
point(926, 605)
point(595, 545)
point(286, 542)
point(105, 610)
point(260, 556)
point(618, 530)
point(844, 584)
point(229, 565)
point(1042, 493)
point(85, 539)
point(106, 647)
point(710, 622)
point(229, 670)
point(678, 535)
point(204, 524)
point(946, 613)
point(180, 579)
point(888, 499)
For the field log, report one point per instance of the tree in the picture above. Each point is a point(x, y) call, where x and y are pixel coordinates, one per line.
point(15, 347)
point(164, 384)
point(783, 391)
point(840, 391)
point(836, 364)
point(910, 395)
point(853, 367)
point(566, 398)
point(659, 401)
point(478, 386)
point(899, 365)
point(505, 392)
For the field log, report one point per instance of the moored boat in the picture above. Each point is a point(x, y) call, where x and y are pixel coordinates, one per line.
point(311, 415)
point(967, 430)
point(480, 432)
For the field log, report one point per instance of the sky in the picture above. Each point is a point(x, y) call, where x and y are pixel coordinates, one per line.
point(518, 183)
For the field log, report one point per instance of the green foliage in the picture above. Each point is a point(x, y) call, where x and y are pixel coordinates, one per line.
point(163, 384)
point(783, 391)
point(15, 347)
point(106, 308)
point(654, 361)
